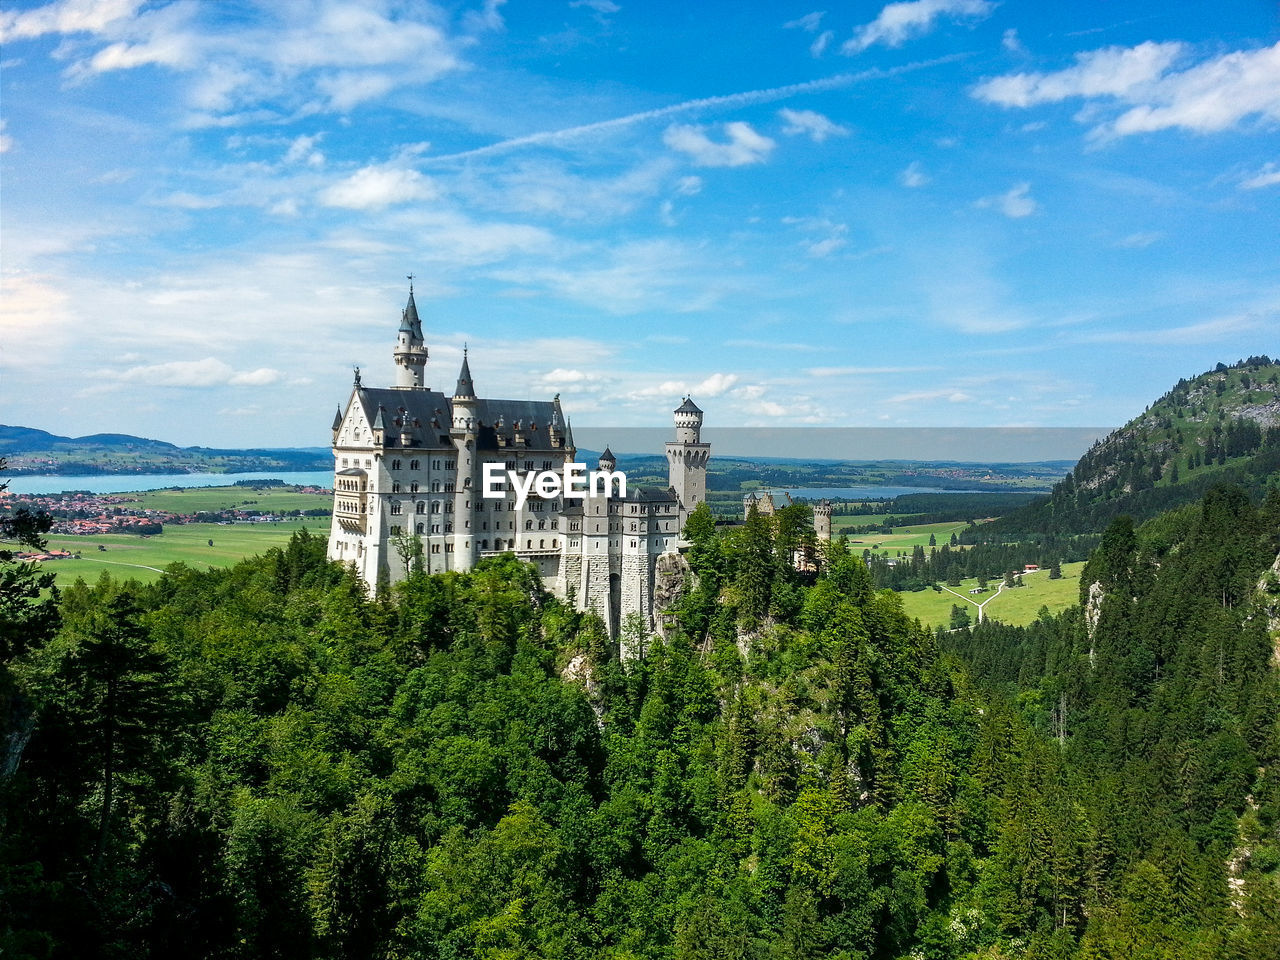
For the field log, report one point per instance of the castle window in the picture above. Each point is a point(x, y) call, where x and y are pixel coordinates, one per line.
point(542, 544)
point(484, 544)
point(484, 525)
point(448, 548)
point(573, 543)
point(528, 464)
point(451, 464)
point(435, 528)
point(435, 486)
point(633, 526)
point(555, 544)
point(448, 487)
point(542, 524)
point(395, 531)
point(528, 544)
point(448, 528)
point(422, 507)
point(435, 464)
point(511, 464)
point(415, 464)
point(344, 461)
point(448, 506)
point(546, 464)
point(435, 548)
point(528, 524)
point(395, 507)
point(395, 464)
point(413, 487)
point(435, 506)
point(395, 486)
point(555, 524)
point(633, 543)
point(419, 528)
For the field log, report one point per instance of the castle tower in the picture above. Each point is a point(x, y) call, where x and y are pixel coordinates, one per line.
point(411, 350)
point(822, 520)
point(687, 458)
point(462, 434)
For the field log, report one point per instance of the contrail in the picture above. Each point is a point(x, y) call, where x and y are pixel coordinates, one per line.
point(747, 98)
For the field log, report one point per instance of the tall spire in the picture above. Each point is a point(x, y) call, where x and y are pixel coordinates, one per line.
point(465, 387)
point(411, 350)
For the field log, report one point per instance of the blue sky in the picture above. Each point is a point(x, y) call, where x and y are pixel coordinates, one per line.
point(929, 213)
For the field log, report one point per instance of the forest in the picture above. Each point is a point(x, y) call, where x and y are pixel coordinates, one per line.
point(266, 762)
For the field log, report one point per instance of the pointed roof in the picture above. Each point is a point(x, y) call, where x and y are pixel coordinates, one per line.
point(409, 322)
point(465, 387)
point(608, 455)
point(688, 406)
point(379, 421)
point(337, 419)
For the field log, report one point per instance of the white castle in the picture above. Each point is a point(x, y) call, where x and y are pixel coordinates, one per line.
point(409, 468)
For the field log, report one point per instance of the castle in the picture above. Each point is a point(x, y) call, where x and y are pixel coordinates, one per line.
point(409, 467)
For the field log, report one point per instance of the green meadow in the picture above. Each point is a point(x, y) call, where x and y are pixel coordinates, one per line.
point(1018, 605)
point(265, 499)
point(129, 556)
point(905, 537)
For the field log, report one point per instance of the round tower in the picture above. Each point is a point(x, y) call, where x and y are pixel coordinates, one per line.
point(688, 422)
point(822, 519)
point(608, 461)
point(411, 349)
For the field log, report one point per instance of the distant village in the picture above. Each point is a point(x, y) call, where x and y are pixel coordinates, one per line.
point(91, 514)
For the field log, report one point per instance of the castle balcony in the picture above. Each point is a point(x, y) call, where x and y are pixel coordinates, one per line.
point(351, 500)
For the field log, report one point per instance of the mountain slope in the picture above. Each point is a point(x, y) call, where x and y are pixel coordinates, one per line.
point(1221, 426)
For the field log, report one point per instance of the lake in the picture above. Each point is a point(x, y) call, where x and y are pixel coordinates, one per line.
point(866, 492)
point(129, 482)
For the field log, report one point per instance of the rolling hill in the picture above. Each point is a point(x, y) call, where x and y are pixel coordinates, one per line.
point(1222, 426)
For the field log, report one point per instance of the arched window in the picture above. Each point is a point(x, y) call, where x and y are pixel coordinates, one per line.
point(422, 506)
point(395, 507)
point(528, 524)
point(419, 528)
point(542, 544)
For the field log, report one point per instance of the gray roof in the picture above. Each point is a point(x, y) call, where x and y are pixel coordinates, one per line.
point(409, 321)
point(651, 494)
point(608, 455)
point(337, 419)
point(466, 387)
point(429, 415)
point(688, 406)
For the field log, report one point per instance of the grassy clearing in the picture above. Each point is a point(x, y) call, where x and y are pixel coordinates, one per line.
point(906, 537)
point(1018, 606)
point(144, 558)
point(266, 499)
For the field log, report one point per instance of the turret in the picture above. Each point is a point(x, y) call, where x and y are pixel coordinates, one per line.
point(688, 422)
point(608, 461)
point(411, 349)
point(687, 458)
point(464, 398)
point(822, 519)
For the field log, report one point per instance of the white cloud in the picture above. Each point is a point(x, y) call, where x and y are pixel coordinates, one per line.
point(208, 372)
point(302, 150)
point(899, 21)
point(1138, 241)
point(65, 16)
point(913, 175)
point(1268, 176)
point(689, 186)
point(1205, 331)
point(808, 23)
point(599, 6)
point(378, 186)
point(487, 17)
point(1016, 203)
point(256, 378)
point(1009, 40)
point(6, 141)
point(744, 146)
point(950, 394)
point(814, 125)
point(821, 42)
point(861, 371)
point(1204, 98)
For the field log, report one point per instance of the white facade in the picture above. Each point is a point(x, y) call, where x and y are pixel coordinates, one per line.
point(408, 473)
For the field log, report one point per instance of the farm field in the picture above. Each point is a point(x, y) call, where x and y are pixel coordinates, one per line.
point(905, 537)
point(1018, 606)
point(265, 499)
point(144, 558)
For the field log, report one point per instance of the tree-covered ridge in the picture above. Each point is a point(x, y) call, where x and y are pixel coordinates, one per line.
point(265, 762)
point(1222, 426)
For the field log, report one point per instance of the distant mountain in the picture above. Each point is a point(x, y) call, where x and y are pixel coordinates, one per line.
point(1221, 426)
point(31, 451)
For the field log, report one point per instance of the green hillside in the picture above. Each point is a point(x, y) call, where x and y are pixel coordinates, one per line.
point(1222, 426)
